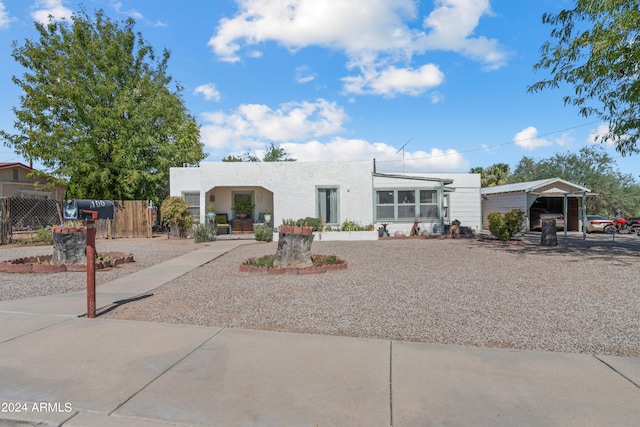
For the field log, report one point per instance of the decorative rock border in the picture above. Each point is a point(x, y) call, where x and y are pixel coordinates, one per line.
point(340, 264)
point(42, 264)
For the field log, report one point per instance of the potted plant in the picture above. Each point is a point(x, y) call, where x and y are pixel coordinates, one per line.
point(243, 207)
point(211, 212)
point(267, 215)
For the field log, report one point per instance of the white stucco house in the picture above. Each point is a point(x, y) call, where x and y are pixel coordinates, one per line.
point(335, 191)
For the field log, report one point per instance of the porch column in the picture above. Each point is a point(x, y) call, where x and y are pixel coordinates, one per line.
point(566, 216)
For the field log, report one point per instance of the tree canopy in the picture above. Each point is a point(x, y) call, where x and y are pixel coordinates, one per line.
point(493, 175)
point(273, 153)
point(97, 110)
point(594, 48)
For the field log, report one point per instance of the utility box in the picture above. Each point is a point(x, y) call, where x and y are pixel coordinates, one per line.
point(74, 209)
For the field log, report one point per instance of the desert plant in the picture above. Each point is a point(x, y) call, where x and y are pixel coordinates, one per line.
point(204, 233)
point(506, 226)
point(43, 235)
point(263, 233)
point(354, 226)
point(175, 212)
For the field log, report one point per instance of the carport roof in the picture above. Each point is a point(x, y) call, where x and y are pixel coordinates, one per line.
point(551, 186)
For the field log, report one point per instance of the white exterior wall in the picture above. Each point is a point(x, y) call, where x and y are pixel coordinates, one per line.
point(503, 203)
point(293, 185)
point(465, 202)
point(289, 189)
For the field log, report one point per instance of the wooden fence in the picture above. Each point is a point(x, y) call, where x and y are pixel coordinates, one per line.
point(5, 221)
point(131, 219)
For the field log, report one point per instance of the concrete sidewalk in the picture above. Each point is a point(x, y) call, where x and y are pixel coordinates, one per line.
point(58, 369)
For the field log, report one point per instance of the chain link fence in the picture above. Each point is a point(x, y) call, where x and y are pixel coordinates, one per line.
point(23, 215)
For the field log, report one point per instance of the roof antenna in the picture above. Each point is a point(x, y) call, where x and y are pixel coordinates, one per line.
point(402, 148)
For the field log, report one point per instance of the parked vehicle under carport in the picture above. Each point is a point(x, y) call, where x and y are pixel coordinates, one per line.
point(538, 214)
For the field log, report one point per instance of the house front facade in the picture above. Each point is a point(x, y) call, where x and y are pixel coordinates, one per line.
point(335, 191)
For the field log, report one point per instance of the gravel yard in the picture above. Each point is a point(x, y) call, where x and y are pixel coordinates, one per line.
point(569, 298)
point(146, 252)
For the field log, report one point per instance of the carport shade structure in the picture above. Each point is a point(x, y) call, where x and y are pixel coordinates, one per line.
point(522, 195)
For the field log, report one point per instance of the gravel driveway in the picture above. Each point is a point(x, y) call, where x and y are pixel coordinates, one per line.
point(576, 297)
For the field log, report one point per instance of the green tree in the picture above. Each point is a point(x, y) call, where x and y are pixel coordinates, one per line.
point(591, 167)
point(595, 50)
point(97, 110)
point(496, 174)
point(273, 153)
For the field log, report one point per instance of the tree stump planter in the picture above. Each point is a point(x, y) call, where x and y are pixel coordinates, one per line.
point(294, 247)
point(69, 245)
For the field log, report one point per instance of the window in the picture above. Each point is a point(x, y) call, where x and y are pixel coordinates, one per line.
point(429, 204)
point(327, 204)
point(193, 200)
point(16, 174)
point(406, 204)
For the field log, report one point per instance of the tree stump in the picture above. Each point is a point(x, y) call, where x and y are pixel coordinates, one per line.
point(294, 248)
point(549, 235)
point(69, 245)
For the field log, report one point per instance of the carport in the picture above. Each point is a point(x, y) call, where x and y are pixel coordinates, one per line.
point(553, 194)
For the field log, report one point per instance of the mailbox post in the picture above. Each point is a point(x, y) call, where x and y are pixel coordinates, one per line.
point(91, 263)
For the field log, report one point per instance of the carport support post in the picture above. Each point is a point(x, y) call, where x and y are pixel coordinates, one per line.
point(566, 217)
point(91, 265)
point(584, 215)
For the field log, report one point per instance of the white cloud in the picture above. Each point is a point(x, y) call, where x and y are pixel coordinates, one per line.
point(132, 13)
point(5, 19)
point(208, 91)
point(392, 81)
point(252, 124)
point(451, 25)
point(297, 126)
point(54, 8)
point(387, 157)
point(375, 35)
point(304, 74)
point(528, 139)
point(599, 134)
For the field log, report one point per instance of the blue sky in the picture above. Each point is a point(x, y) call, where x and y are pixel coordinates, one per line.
point(348, 80)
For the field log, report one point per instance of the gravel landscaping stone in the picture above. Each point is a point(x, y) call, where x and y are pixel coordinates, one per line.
point(574, 297)
point(146, 252)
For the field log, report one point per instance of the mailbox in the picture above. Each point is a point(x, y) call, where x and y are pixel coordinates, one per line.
point(74, 209)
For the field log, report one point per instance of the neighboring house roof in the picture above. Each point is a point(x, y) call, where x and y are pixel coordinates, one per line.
point(7, 165)
point(544, 187)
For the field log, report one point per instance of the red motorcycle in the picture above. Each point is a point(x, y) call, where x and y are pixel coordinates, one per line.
point(620, 225)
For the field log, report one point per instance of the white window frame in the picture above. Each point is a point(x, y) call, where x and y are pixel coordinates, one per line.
point(398, 206)
point(194, 209)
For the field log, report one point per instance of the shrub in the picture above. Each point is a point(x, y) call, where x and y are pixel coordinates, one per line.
point(175, 212)
point(44, 235)
point(507, 226)
point(204, 233)
point(354, 226)
point(263, 233)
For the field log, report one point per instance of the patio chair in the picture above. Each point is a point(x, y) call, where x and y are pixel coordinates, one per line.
point(222, 222)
